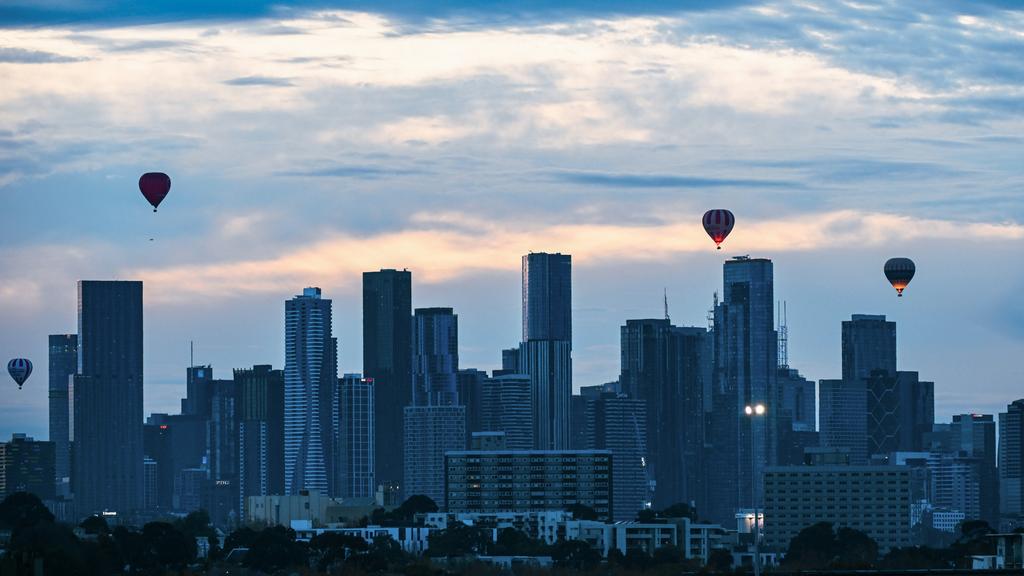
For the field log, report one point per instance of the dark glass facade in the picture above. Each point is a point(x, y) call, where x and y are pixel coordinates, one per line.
point(108, 389)
point(387, 356)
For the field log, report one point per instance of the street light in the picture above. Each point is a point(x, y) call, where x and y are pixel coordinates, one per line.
point(752, 411)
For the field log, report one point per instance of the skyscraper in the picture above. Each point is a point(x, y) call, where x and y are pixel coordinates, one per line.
point(310, 380)
point(974, 435)
point(470, 382)
point(430, 433)
point(546, 351)
point(617, 423)
point(745, 371)
point(547, 296)
point(108, 398)
point(198, 389)
point(842, 421)
point(505, 407)
point(222, 448)
point(1011, 465)
point(387, 353)
point(869, 345)
point(27, 466)
point(549, 365)
point(668, 368)
point(435, 423)
point(435, 360)
point(260, 432)
point(355, 440)
point(63, 365)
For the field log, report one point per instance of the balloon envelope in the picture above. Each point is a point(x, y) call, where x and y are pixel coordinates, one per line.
point(19, 369)
point(155, 186)
point(899, 272)
point(718, 224)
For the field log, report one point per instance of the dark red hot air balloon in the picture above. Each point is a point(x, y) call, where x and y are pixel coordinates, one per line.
point(718, 224)
point(899, 272)
point(155, 186)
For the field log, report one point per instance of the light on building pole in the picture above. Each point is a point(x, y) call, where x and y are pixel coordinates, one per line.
point(752, 411)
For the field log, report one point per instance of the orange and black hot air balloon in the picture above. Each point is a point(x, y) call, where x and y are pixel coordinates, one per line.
point(718, 224)
point(155, 186)
point(899, 272)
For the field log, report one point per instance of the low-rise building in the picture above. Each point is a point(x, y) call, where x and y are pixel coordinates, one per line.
point(546, 525)
point(622, 536)
point(872, 499)
point(272, 510)
point(500, 480)
point(412, 539)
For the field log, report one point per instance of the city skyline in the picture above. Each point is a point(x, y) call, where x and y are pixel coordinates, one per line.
point(324, 149)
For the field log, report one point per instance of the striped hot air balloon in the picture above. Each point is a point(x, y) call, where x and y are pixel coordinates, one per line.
point(899, 272)
point(20, 369)
point(155, 186)
point(718, 224)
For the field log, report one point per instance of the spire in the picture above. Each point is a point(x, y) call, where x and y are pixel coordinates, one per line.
point(666, 304)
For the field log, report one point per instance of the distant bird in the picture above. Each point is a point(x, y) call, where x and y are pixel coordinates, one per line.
point(155, 186)
point(718, 224)
point(19, 369)
point(899, 272)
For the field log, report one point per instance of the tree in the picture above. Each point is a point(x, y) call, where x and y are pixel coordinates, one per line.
point(95, 525)
point(406, 512)
point(332, 548)
point(917, 558)
point(458, 540)
point(274, 548)
point(21, 510)
point(582, 512)
point(720, 560)
point(637, 560)
point(512, 542)
point(818, 547)
point(679, 510)
point(167, 547)
point(854, 550)
point(812, 549)
point(244, 537)
point(667, 555)
point(575, 555)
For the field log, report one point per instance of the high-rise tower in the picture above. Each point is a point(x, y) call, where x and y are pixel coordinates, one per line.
point(310, 381)
point(108, 398)
point(387, 355)
point(546, 351)
point(435, 359)
point(63, 365)
point(745, 371)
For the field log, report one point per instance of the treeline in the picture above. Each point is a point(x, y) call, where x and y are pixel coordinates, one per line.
point(821, 547)
point(38, 543)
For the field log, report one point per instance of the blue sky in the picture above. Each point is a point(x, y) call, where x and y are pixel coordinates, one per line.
point(310, 142)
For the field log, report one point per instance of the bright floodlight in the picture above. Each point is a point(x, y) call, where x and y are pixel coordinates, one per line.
point(748, 410)
point(757, 409)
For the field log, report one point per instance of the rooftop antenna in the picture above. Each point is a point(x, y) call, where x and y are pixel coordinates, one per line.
point(666, 304)
point(783, 334)
point(711, 313)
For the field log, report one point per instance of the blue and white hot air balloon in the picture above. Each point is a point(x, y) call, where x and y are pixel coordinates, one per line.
point(20, 369)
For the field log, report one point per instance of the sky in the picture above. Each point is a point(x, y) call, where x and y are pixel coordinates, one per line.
point(311, 142)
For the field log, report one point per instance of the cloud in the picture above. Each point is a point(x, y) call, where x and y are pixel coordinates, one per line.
point(438, 251)
point(620, 180)
point(352, 171)
point(22, 56)
point(259, 81)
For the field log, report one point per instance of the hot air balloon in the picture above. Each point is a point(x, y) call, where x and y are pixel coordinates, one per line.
point(155, 186)
point(718, 223)
point(899, 272)
point(19, 369)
